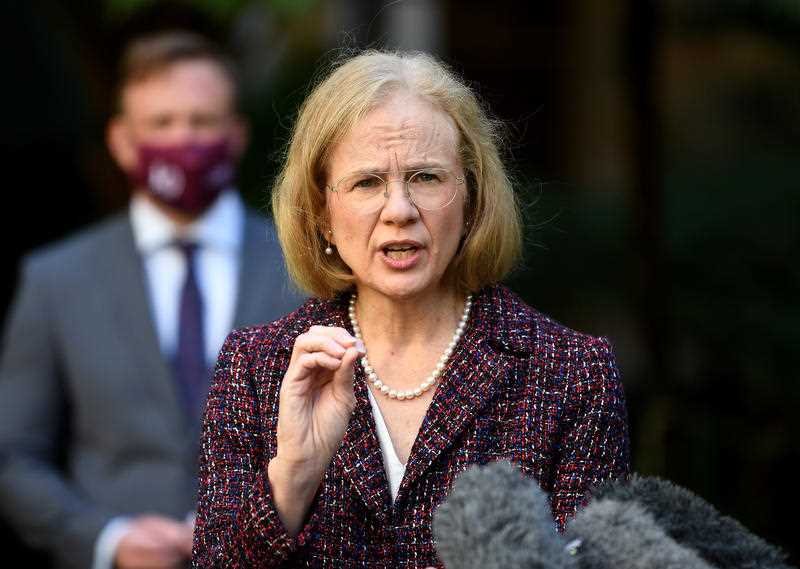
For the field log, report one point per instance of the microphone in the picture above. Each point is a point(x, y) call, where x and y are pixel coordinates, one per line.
point(691, 521)
point(496, 518)
point(613, 535)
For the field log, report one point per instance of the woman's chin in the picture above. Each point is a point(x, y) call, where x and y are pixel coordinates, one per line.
point(404, 287)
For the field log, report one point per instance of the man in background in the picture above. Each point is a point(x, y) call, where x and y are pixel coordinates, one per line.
point(113, 332)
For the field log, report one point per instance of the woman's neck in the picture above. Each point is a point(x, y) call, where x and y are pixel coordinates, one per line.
point(386, 321)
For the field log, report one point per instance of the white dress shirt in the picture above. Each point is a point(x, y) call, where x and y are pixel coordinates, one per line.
point(219, 234)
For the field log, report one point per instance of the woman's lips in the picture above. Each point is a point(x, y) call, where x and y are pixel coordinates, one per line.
point(400, 256)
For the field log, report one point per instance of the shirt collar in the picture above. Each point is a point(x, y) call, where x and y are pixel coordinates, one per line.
point(221, 226)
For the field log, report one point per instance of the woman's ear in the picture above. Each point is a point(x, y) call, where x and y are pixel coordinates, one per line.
point(326, 228)
point(329, 236)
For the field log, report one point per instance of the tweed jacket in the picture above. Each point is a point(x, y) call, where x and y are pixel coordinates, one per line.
point(519, 386)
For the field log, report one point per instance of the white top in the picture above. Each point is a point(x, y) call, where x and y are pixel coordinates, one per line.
point(391, 463)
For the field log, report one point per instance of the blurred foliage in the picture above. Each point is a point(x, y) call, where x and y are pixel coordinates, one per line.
point(779, 18)
point(734, 315)
point(580, 237)
point(223, 10)
point(725, 423)
point(271, 114)
point(749, 9)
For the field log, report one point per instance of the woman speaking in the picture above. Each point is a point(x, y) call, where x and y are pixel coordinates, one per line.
point(331, 435)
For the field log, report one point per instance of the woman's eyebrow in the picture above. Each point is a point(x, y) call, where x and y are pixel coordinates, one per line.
point(413, 167)
point(422, 166)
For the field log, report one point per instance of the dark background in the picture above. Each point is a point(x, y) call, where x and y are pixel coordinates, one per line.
point(656, 148)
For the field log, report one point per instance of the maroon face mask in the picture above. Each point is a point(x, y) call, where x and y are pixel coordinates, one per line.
point(188, 177)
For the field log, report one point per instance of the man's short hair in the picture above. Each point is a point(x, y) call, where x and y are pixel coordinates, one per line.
point(148, 55)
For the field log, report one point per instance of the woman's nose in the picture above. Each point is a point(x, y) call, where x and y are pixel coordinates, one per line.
point(398, 208)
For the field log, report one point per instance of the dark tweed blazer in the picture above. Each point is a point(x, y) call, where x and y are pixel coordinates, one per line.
point(519, 387)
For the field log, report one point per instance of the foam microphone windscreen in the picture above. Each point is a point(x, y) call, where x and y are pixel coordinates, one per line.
point(622, 534)
point(693, 522)
point(496, 518)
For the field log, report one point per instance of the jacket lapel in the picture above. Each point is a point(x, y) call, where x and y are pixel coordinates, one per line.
point(495, 337)
point(359, 456)
point(252, 275)
point(469, 384)
point(131, 313)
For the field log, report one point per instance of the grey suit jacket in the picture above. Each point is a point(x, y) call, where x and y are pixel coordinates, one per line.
point(82, 375)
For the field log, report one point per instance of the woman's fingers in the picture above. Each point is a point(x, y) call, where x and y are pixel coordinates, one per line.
point(343, 377)
point(317, 396)
point(319, 359)
point(340, 335)
point(333, 341)
point(324, 347)
point(321, 348)
point(311, 342)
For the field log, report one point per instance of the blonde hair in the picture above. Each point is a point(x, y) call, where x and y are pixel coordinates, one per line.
point(492, 244)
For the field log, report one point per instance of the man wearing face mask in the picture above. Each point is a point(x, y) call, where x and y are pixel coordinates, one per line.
point(111, 338)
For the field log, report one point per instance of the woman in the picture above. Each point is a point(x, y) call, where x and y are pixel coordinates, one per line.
point(332, 434)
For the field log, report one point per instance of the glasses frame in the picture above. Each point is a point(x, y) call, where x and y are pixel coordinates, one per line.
point(407, 176)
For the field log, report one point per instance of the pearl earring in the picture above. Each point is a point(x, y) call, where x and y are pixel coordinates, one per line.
point(329, 249)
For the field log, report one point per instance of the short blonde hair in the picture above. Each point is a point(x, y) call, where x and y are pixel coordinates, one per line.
point(493, 241)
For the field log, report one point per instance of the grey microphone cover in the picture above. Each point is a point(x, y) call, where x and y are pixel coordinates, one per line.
point(691, 521)
point(496, 518)
point(622, 534)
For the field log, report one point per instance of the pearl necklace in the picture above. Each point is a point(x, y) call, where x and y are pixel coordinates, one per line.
point(432, 378)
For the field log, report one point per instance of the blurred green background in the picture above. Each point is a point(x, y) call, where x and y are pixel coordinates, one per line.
point(656, 148)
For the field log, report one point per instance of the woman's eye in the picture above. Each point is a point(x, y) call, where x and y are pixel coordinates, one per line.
point(426, 177)
point(368, 183)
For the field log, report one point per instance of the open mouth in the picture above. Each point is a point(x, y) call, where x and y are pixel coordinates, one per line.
point(399, 252)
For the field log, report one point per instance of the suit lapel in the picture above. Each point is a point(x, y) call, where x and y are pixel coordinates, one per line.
point(131, 311)
point(252, 274)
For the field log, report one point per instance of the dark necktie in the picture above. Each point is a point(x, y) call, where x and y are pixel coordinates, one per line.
point(190, 362)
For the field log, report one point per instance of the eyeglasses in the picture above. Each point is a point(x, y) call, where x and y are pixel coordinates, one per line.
point(366, 192)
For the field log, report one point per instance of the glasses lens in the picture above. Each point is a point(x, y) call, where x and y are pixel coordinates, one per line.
point(432, 188)
point(361, 193)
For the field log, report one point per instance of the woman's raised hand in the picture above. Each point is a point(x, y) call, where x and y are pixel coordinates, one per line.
point(316, 397)
point(316, 401)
